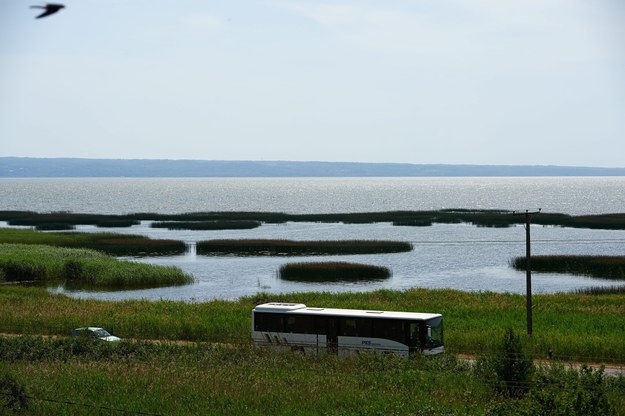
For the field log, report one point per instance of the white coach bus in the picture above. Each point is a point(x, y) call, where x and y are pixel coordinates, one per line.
point(343, 331)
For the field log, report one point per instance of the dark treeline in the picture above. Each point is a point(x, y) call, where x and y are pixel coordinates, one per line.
point(481, 218)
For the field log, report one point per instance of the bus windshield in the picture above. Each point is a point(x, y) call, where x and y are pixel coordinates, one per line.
point(434, 337)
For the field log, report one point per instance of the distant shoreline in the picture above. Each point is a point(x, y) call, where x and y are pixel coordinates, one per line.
point(24, 167)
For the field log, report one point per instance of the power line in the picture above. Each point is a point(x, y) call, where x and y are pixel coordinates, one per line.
point(516, 242)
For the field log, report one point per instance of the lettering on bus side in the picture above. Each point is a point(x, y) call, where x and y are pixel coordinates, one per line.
point(369, 343)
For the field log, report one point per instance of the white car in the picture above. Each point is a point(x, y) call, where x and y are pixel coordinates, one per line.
point(94, 333)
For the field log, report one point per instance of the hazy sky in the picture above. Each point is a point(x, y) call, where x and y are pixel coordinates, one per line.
point(416, 81)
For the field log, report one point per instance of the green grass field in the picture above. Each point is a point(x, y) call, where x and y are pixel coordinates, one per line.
point(62, 376)
point(576, 327)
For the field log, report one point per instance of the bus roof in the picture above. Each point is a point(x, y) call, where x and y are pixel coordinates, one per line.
point(301, 309)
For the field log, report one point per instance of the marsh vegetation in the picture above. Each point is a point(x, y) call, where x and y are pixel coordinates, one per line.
point(576, 327)
point(69, 377)
point(263, 247)
point(332, 272)
point(223, 377)
point(208, 225)
point(110, 243)
point(82, 269)
point(482, 218)
point(605, 267)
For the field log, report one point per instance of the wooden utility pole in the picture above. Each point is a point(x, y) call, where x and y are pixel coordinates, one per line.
point(528, 267)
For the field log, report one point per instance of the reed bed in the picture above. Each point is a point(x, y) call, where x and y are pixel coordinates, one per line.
point(208, 225)
point(263, 217)
point(601, 290)
point(605, 267)
point(333, 272)
point(483, 218)
point(82, 268)
point(111, 243)
point(413, 223)
point(52, 226)
point(34, 219)
point(260, 247)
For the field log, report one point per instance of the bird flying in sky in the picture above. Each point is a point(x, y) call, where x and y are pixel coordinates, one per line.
point(48, 9)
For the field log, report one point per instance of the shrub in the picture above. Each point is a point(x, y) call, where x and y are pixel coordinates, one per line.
point(509, 368)
point(13, 395)
point(562, 392)
point(16, 270)
point(74, 270)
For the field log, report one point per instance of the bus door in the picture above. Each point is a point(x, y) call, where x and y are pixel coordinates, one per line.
point(328, 326)
point(414, 336)
point(333, 336)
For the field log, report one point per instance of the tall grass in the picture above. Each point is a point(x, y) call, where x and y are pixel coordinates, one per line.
point(208, 225)
point(70, 377)
point(576, 327)
point(601, 290)
point(111, 243)
point(68, 218)
point(262, 247)
point(54, 226)
point(204, 380)
point(332, 272)
point(83, 268)
point(484, 218)
point(606, 267)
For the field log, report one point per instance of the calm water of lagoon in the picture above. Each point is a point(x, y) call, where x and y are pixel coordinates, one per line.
point(460, 256)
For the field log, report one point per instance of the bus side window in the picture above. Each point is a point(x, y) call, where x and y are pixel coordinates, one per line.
point(321, 325)
point(348, 327)
point(272, 322)
point(290, 324)
point(298, 324)
point(356, 327)
point(391, 329)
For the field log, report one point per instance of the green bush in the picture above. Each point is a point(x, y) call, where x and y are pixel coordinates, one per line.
point(509, 369)
point(558, 391)
point(13, 395)
point(74, 270)
point(18, 270)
